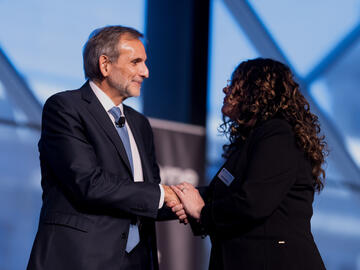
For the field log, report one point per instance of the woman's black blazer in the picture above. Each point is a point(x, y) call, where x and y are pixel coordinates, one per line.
point(259, 205)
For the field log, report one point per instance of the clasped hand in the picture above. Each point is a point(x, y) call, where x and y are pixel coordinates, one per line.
point(187, 202)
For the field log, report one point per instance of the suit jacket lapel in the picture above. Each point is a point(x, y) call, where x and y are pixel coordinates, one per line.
point(100, 115)
point(147, 173)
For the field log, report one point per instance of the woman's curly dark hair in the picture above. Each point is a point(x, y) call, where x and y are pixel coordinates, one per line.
point(263, 89)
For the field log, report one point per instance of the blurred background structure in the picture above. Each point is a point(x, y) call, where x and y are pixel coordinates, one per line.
point(192, 49)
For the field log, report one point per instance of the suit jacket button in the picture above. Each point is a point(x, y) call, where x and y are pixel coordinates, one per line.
point(123, 235)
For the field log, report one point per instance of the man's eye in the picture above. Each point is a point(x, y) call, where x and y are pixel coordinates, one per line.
point(135, 61)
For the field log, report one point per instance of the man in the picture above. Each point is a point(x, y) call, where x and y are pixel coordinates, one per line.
point(100, 179)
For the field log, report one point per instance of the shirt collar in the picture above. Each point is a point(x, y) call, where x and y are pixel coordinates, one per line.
point(104, 99)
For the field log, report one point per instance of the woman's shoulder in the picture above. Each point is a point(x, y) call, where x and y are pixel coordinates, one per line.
point(272, 127)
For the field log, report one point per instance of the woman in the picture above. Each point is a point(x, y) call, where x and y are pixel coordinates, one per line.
point(258, 207)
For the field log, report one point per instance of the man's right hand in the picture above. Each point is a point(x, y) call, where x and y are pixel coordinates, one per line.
point(171, 200)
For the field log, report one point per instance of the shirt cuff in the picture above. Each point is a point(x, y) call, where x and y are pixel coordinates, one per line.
point(162, 196)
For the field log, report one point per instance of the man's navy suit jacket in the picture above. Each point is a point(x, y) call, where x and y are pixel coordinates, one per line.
point(89, 196)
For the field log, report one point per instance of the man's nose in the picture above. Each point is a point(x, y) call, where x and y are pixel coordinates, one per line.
point(144, 71)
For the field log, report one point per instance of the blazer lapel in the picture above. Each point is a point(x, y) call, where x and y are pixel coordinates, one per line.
point(147, 172)
point(100, 115)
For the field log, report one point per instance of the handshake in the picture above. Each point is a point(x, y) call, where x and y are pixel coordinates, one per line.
point(184, 200)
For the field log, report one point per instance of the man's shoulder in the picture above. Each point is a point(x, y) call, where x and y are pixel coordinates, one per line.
point(67, 96)
point(67, 100)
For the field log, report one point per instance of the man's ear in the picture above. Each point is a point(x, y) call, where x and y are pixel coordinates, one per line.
point(104, 65)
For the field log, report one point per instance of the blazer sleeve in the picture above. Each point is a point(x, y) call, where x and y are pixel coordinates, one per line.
point(270, 173)
point(196, 227)
point(64, 147)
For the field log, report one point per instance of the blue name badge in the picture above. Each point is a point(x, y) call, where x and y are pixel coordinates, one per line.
point(226, 176)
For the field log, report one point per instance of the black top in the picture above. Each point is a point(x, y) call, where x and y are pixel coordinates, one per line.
point(261, 220)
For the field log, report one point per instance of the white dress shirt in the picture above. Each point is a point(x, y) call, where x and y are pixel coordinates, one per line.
point(107, 103)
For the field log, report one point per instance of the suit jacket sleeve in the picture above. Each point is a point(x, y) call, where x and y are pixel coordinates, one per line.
point(65, 148)
point(270, 173)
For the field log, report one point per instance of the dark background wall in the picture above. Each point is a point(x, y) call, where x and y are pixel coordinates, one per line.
point(177, 32)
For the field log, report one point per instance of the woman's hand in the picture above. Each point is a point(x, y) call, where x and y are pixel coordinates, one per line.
point(190, 199)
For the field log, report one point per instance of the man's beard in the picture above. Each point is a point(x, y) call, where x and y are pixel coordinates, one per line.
point(120, 88)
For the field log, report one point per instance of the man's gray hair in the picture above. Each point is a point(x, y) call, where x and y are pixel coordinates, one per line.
point(104, 41)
